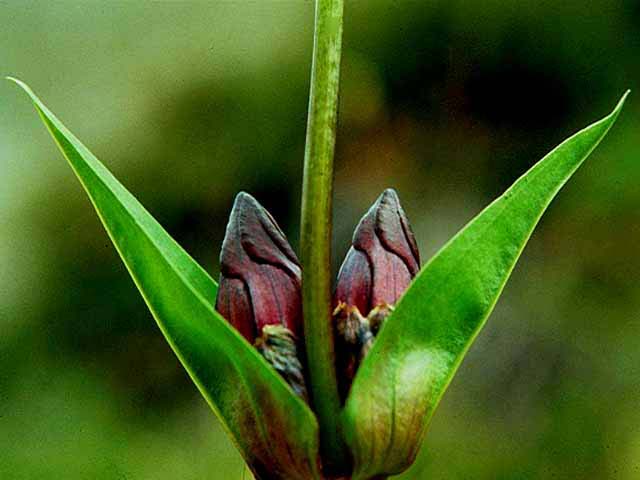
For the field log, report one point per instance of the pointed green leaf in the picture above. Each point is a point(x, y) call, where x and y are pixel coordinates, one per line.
point(424, 340)
point(274, 430)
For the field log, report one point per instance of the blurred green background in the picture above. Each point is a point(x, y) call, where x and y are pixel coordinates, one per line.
point(190, 102)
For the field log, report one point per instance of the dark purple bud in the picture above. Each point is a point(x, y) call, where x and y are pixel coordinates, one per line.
point(382, 260)
point(260, 274)
point(378, 268)
point(259, 292)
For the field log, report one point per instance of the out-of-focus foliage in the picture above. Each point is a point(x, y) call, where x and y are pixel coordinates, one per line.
point(448, 102)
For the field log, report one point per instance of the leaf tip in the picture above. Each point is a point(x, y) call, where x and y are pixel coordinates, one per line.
point(25, 87)
point(621, 102)
point(18, 82)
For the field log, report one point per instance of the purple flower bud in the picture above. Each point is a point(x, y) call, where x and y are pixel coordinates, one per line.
point(383, 259)
point(377, 270)
point(259, 292)
point(260, 274)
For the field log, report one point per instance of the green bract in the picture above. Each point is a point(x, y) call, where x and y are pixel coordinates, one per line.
point(274, 430)
point(423, 341)
point(404, 375)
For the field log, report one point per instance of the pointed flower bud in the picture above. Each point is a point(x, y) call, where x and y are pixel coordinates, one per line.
point(383, 259)
point(259, 291)
point(377, 270)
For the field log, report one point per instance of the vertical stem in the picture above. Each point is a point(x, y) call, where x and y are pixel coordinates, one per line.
point(315, 239)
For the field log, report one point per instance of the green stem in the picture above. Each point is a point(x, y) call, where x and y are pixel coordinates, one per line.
point(315, 236)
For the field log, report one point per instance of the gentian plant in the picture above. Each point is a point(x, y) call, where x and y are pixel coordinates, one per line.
point(310, 382)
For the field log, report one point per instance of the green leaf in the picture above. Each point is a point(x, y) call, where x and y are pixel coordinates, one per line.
point(424, 340)
point(274, 430)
